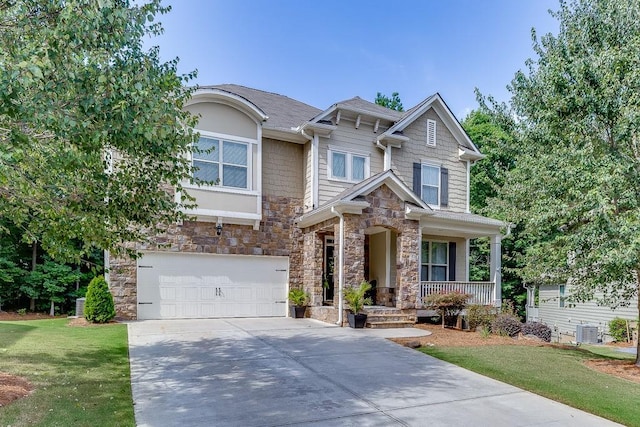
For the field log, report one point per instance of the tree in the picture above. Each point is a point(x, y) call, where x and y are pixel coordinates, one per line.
point(77, 89)
point(495, 134)
point(392, 103)
point(51, 281)
point(575, 187)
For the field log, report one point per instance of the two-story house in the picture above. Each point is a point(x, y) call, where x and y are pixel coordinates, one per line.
point(314, 199)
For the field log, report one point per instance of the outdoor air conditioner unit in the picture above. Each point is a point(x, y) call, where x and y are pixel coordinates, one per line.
point(587, 334)
point(80, 307)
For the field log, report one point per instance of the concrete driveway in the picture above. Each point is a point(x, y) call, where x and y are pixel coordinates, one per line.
point(275, 372)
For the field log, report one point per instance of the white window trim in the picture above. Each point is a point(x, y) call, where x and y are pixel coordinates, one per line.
point(250, 170)
point(429, 264)
point(349, 162)
point(431, 134)
point(436, 206)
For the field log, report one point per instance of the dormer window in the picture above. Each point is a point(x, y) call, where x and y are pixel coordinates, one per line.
point(431, 133)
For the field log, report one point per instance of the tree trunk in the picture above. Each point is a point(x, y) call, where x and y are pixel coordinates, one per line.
point(52, 310)
point(638, 325)
point(34, 259)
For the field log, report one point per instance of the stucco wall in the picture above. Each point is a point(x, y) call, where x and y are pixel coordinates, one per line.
point(224, 119)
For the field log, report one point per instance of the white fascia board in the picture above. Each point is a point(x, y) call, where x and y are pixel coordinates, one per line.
point(322, 129)
point(386, 137)
point(416, 213)
point(324, 213)
point(324, 114)
point(446, 227)
point(466, 154)
point(224, 97)
point(288, 135)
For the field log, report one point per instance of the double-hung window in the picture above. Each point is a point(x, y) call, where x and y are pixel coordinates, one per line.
point(431, 184)
point(435, 261)
point(347, 166)
point(222, 162)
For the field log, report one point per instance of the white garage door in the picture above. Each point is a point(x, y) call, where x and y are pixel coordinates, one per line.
point(178, 286)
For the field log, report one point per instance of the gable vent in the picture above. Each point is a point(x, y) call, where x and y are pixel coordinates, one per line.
point(431, 132)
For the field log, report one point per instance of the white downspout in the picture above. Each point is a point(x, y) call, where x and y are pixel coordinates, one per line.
point(468, 186)
point(340, 267)
point(387, 155)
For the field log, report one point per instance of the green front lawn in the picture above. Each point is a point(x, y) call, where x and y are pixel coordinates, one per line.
point(80, 374)
point(556, 373)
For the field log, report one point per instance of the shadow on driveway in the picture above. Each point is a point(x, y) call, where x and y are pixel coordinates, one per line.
point(273, 372)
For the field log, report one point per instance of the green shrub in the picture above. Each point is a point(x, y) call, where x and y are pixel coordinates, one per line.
point(354, 296)
point(538, 329)
point(506, 325)
point(298, 297)
point(448, 304)
point(480, 316)
point(98, 306)
point(618, 329)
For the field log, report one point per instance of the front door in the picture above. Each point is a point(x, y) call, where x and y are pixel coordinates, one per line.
point(328, 264)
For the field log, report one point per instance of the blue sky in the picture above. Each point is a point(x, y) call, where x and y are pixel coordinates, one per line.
point(324, 52)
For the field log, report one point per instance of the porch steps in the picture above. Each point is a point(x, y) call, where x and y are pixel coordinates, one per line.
point(387, 317)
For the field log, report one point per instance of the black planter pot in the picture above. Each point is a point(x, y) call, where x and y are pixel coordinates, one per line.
point(297, 312)
point(357, 320)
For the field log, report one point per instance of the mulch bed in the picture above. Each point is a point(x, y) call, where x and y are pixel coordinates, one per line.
point(13, 388)
point(447, 337)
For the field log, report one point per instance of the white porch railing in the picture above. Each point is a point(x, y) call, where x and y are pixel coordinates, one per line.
point(483, 293)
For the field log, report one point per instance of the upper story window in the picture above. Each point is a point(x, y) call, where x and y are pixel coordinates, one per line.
point(431, 184)
point(222, 162)
point(431, 132)
point(561, 297)
point(347, 166)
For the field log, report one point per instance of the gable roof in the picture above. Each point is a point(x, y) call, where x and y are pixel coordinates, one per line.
point(436, 102)
point(289, 116)
point(349, 199)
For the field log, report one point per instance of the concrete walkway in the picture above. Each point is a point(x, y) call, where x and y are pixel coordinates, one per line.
point(276, 372)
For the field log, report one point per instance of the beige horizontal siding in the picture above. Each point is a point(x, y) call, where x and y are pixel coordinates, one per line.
point(350, 139)
point(444, 154)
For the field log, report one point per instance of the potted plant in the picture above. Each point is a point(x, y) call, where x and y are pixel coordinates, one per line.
point(298, 299)
point(354, 296)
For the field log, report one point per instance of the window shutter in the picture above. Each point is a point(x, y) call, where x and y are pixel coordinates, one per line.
point(452, 261)
point(417, 179)
point(431, 132)
point(444, 187)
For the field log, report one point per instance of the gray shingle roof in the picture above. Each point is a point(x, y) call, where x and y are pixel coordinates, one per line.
point(284, 112)
point(361, 104)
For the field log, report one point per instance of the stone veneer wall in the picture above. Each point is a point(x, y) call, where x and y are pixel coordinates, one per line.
point(386, 210)
point(277, 236)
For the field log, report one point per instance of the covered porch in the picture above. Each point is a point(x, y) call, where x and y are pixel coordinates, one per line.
point(445, 267)
point(380, 232)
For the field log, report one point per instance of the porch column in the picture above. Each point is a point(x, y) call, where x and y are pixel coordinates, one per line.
point(408, 265)
point(495, 273)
